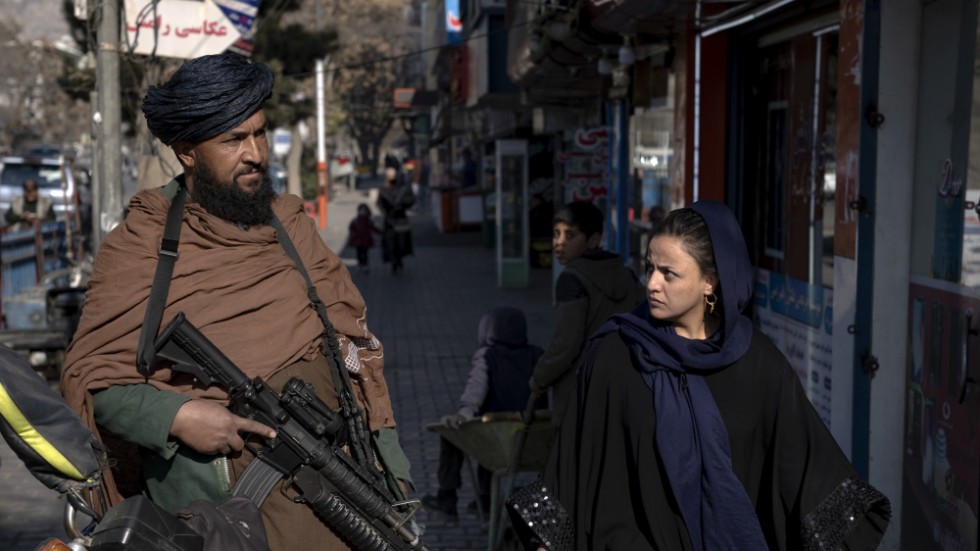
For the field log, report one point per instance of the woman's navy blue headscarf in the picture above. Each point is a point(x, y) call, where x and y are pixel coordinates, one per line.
point(691, 437)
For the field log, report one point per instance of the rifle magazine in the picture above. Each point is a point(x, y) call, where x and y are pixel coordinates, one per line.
point(257, 481)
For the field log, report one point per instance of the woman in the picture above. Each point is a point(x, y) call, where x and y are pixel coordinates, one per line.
point(690, 430)
point(394, 200)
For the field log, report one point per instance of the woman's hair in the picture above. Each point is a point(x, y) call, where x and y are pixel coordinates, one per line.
point(583, 215)
point(363, 209)
point(688, 226)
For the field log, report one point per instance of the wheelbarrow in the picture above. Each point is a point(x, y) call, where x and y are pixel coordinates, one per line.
point(504, 443)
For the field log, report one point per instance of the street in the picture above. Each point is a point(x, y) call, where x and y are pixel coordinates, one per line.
point(427, 318)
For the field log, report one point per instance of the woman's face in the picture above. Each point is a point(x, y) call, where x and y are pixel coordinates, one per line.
point(676, 287)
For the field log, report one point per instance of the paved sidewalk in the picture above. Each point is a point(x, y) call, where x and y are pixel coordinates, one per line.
point(427, 318)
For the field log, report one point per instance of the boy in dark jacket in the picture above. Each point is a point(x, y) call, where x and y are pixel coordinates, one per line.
point(594, 285)
point(497, 382)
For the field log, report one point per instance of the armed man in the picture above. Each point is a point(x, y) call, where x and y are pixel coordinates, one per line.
point(247, 268)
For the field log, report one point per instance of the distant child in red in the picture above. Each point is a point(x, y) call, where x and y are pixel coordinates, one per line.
point(360, 235)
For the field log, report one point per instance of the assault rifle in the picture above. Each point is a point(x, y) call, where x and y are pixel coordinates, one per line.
point(307, 448)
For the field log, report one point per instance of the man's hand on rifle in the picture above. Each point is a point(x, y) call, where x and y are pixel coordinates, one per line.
point(208, 427)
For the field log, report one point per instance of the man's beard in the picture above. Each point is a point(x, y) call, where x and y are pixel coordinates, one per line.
point(231, 202)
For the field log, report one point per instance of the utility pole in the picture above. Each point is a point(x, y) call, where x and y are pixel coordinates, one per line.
point(107, 187)
point(322, 168)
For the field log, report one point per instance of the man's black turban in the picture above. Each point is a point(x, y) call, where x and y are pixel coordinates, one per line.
point(207, 96)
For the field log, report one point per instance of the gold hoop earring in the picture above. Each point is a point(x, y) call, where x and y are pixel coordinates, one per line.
point(710, 301)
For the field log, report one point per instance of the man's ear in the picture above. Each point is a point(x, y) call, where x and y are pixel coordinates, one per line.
point(185, 153)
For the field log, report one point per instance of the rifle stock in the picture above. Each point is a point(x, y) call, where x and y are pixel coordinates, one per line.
point(306, 450)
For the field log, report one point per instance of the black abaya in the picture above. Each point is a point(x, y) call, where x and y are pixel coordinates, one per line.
point(607, 473)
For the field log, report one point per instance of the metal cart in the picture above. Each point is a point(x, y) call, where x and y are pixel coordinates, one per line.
point(504, 443)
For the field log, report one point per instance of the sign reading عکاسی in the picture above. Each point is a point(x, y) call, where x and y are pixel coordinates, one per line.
point(187, 29)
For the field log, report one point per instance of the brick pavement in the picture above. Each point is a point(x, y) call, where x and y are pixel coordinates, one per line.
point(426, 316)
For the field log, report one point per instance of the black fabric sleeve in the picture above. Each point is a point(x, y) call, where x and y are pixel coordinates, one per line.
point(804, 487)
point(604, 467)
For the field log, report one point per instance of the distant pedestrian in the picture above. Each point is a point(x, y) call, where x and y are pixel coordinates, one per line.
point(394, 200)
point(29, 208)
point(360, 235)
point(499, 370)
point(420, 182)
point(468, 169)
point(593, 286)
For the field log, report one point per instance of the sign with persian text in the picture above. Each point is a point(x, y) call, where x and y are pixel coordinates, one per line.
point(585, 164)
point(186, 29)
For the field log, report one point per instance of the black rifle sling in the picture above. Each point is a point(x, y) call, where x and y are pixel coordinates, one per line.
point(331, 350)
point(161, 284)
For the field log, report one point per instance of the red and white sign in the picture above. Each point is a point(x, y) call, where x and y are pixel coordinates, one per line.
point(179, 28)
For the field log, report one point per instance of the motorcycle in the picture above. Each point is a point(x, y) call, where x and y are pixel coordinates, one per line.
point(62, 453)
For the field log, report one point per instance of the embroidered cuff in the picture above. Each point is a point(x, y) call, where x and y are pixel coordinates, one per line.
point(538, 516)
point(826, 526)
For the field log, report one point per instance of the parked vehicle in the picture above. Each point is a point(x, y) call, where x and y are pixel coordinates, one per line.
point(40, 320)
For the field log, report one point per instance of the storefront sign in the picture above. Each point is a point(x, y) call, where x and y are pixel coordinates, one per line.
point(187, 29)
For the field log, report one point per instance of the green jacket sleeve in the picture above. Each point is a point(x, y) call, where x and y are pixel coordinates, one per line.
point(141, 414)
point(394, 458)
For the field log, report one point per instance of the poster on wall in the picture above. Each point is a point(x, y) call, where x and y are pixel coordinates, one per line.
point(942, 419)
point(798, 317)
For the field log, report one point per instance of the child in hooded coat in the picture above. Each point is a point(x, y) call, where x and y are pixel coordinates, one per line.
point(361, 236)
point(499, 371)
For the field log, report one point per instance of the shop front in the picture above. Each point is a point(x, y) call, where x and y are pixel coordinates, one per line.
point(942, 401)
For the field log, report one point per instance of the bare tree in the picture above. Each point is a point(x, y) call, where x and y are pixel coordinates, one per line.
point(33, 109)
point(377, 43)
point(365, 93)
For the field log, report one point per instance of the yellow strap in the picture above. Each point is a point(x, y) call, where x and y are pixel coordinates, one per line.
point(15, 418)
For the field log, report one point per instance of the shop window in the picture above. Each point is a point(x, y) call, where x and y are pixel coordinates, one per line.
point(789, 178)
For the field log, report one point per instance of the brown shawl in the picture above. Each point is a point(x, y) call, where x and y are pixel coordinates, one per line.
point(238, 287)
